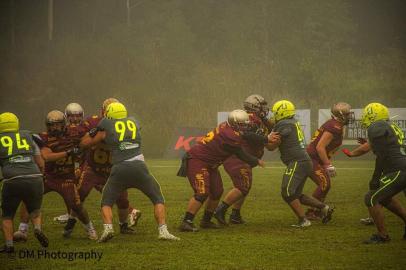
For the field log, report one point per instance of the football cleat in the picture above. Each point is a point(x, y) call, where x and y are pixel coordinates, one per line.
point(62, 218)
point(221, 217)
point(367, 221)
point(187, 226)
point(92, 234)
point(41, 237)
point(302, 224)
point(124, 229)
point(327, 213)
point(106, 236)
point(20, 236)
point(208, 225)
point(377, 239)
point(133, 217)
point(164, 234)
point(68, 229)
point(234, 219)
point(7, 249)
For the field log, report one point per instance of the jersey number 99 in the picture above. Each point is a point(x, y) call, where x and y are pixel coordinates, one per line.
point(122, 127)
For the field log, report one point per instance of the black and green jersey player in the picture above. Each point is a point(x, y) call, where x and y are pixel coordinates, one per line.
point(19, 156)
point(298, 163)
point(122, 135)
point(387, 141)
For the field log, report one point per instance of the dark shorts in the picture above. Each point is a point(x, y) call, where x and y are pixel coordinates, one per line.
point(27, 190)
point(389, 185)
point(131, 174)
point(204, 180)
point(240, 173)
point(67, 188)
point(294, 179)
point(89, 179)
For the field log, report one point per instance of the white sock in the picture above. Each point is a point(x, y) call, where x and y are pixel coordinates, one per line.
point(108, 226)
point(23, 227)
point(89, 226)
point(162, 227)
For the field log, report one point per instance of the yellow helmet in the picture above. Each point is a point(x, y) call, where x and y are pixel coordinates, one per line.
point(9, 122)
point(283, 109)
point(106, 103)
point(374, 112)
point(116, 110)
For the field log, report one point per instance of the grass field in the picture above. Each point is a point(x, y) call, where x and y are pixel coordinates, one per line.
point(266, 241)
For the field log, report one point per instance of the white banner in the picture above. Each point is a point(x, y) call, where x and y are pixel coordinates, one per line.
point(303, 116)
point(354, 130)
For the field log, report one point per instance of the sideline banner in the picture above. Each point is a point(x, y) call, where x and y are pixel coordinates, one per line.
point(303, 116)
point(183, 139)
point(355, 130)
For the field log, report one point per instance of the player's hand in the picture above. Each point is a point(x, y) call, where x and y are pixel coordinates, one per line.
point(331, 170)
point(74, 151)
point(93, 132)
point(347, 152)
point(261, 163)
point(274, 137)
point(361, 140)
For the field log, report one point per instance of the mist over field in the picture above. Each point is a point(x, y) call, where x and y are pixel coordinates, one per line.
point(176, 63)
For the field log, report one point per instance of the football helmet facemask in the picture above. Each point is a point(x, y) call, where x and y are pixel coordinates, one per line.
point(74, 113)
point(56, 123)
point(341, 111)
point(256, 104)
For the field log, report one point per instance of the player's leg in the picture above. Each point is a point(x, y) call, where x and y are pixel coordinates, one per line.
point(21, 235)
point(148, 185)
point(123, 213)
point(199, 179)
point(242, 179)
point(32, 198)
point(235, 216)
point(390, 185)
point(322, 180)
point(10, 200)
point(215, 191)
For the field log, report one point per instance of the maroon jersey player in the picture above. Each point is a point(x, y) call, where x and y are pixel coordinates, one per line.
point(239, 171)
point(201, 164)
point(325, 142)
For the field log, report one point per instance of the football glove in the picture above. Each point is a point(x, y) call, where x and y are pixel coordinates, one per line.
point(331, 170)
point(347, 152)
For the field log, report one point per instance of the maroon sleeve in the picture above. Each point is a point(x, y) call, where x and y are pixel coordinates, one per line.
point(92, 121)
point(230, 137)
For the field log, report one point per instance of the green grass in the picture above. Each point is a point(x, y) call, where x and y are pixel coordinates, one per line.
point(266, 241)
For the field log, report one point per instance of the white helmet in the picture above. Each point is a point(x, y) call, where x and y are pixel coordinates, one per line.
point(239, 120)
point(256, 104)
point(74, 109)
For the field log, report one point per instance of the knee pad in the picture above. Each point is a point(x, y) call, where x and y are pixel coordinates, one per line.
point(201, 197)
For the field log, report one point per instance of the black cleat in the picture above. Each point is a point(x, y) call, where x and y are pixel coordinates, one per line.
point(377, 239)
point(221, 217)
point(7, 249)
point(41, 237)
point(124, 229)
point(208, 225)
point(187, 226)
point(234, 219)
point(68, 229)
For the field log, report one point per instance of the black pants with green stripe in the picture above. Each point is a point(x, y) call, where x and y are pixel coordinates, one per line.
point(131, 174)
point(389, 185)
point(294, 179)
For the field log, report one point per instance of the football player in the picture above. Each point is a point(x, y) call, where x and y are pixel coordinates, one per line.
point(387, 141)
point(324, 144)
point(122, 134)
point(200, 164)
point(59, 151)
point(19, 160)
point(298, 163)
point(96, 170)
point(74, 114)
point(239, 171)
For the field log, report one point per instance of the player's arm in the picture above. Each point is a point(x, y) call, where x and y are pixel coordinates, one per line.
point(92, 138)
point(241, 154)
point(321, 146)
point(359, 151)
point(48, 155)
point(274, 140)
point(38, 158)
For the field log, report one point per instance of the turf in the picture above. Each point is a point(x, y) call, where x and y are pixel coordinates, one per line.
point(266, 241)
